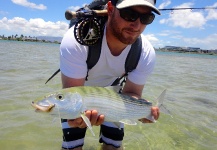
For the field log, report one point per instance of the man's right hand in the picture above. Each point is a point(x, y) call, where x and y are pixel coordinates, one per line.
point(92, 115)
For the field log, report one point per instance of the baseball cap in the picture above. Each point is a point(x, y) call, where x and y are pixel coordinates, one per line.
point(129, 3)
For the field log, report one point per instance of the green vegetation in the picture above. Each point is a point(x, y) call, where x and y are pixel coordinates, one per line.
point(26, 38)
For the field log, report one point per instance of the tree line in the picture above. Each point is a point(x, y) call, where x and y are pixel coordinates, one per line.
point(25, 38)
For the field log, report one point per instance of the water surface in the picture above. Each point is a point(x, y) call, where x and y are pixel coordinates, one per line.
point(190, 80)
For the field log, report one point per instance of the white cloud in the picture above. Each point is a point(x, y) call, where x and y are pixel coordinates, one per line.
point(169, 33)
point(208, 42)
point(26, 3)
point(153, 40)
point(212, 13)
point(4, 13)
point(164, 4)
point(34, 27)
point(175, 38)
point(75, 8)
point(185, 18)
point(151, 37)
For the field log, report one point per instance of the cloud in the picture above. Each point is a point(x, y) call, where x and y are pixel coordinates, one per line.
point(212, 13)
point(151, 37)
point(25, 3)
point(153, 40)
point(164, 4)
point(75, 8)
point(169, 33)
point(208, 42)
point(176, 38)
point(4, 13)
point(33, 27)
point(185, 18)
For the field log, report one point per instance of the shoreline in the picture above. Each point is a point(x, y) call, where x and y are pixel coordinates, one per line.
point(30, 40)
point(190, 52)
point(202, 52)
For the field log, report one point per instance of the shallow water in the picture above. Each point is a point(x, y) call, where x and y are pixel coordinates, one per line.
point(190, 80)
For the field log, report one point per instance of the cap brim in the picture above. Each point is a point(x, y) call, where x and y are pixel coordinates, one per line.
point(124, 4)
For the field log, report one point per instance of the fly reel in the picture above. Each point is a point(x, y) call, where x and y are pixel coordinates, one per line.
point(87, 31)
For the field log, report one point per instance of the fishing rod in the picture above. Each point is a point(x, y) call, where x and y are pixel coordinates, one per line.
point(191, 8)
point(79, 14)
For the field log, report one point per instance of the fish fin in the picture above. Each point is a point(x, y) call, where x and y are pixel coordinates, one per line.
point(87, 121)
point(128, 122)
point(160, 105)
point(160, 99)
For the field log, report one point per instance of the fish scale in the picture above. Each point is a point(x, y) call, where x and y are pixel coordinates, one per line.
point(115, 110)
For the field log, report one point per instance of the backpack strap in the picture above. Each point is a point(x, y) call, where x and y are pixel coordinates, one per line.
point(133, 55)
point(55, 73)
point(93, 55)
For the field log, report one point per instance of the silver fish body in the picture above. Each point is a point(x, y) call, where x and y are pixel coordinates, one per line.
point(117, 107)
point(71, 102)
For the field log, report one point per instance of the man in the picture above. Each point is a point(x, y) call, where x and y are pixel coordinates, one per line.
point(127, 19)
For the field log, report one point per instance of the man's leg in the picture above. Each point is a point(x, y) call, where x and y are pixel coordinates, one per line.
point(73, 138)
point(111, 136)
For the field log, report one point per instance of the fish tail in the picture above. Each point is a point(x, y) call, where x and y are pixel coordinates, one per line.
point(160, 99)
point(160, 105)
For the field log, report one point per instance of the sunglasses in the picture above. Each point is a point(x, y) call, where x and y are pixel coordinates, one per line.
point(131, 15)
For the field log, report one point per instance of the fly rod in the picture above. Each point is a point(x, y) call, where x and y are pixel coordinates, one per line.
point(78, 14)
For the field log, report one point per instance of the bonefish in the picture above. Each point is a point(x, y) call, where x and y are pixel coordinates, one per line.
point(71, 103)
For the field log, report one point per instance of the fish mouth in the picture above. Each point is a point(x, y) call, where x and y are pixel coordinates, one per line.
point(47, 108)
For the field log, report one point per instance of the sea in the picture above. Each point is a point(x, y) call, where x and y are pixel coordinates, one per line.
point(191, 98)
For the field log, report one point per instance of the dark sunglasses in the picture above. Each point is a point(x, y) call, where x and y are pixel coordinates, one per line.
point(131, 15)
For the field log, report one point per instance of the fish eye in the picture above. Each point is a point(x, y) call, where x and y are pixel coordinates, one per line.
point(60, 96)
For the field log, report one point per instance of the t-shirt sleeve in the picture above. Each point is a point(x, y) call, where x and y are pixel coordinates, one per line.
point(145, 65)
point(73, 56)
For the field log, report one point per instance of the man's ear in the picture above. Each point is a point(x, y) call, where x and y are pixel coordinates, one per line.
point(110, 8)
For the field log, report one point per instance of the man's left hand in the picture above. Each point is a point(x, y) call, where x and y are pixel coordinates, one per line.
point(155, 112)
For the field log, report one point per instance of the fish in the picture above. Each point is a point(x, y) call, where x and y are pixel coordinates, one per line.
point(71, 103)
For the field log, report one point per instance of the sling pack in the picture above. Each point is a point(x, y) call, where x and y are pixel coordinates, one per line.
point(95, 49)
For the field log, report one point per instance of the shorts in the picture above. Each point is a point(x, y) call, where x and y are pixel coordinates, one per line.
point(110, 134)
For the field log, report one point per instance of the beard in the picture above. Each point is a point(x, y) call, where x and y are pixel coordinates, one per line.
point(118, 32)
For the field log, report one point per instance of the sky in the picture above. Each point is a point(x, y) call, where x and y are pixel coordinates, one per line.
point(184, 28)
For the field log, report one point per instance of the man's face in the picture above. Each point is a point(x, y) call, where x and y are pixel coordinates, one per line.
point(125, 31)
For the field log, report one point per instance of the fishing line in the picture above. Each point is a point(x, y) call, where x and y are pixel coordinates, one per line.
point(191, 8)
